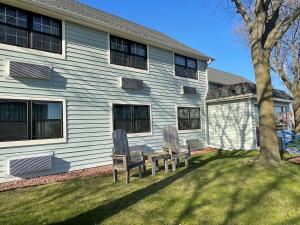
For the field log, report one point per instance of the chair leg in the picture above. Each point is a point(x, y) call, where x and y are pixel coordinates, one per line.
point(157, 166)
point(166, 161)
point(186, 162)
point(115, 175)
point(140, 171)
point(174, 161)
point(153, 168)
point(127, 176)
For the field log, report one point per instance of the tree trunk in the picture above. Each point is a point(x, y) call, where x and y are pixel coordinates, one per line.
point(296, 107)
point(269, 150)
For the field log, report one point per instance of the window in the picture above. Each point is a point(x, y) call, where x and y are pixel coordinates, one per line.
point(185, 67)
point(281, 117)
point(128, 53)
point(189, 118)
point(132, 118)
point(25, 29)
point(30, 120)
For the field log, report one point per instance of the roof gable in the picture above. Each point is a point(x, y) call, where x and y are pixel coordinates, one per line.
point(221, 77)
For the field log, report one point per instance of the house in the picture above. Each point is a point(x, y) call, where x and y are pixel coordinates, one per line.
point(71, 74)
point(232, 111)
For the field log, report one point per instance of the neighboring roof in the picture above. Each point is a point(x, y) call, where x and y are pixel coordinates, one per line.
point(117, 23)
point(231, 85)
point(221, 77)
point(248, 89)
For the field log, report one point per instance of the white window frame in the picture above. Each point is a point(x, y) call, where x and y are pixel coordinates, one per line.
point(42, 141)
point(131, 69)
point(144, 134)
point(37, 52)
point(185, 78)
point(190, 130)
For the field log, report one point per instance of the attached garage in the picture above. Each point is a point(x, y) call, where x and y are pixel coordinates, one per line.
point(232, 111)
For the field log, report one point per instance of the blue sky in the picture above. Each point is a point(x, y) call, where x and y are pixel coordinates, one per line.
point(201, 24)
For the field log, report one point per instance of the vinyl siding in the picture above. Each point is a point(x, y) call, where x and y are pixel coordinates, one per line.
point(231, 125)
point(89, 84)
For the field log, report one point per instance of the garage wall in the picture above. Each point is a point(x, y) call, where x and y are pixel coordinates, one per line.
point(230, 125)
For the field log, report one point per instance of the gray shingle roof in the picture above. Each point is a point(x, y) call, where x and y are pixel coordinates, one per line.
point(221, 77)
point(234, 85)
point(117, 23)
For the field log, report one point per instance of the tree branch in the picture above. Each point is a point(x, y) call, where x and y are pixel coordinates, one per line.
point(295, 59)
point(242, 10)
point(278, 67)
point(272, 19)
point(280, 28)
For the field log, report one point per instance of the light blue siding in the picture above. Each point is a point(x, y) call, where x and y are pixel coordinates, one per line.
point(89, 84)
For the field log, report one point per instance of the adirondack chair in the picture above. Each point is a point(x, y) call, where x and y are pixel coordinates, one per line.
point(123, 158)
point(172, 146)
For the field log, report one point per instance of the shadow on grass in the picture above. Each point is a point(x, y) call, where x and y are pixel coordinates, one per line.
point(102, 212)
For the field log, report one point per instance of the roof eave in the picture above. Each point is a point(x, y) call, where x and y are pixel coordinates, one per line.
point(73, 17)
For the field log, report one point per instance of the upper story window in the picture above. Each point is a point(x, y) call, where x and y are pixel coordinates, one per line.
point(185, 67)
point(128, 53)
point(26, 29)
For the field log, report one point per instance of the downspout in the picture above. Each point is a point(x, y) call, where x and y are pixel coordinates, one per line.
point(207, 142)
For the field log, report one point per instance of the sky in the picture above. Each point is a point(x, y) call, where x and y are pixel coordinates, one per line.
point(202, 24)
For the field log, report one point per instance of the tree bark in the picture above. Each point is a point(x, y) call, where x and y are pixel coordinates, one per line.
point(267, 128)
point(296, 106)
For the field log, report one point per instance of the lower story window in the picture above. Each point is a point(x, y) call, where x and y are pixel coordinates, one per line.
point(132, 118)
point(188, 118)
point(30, 120)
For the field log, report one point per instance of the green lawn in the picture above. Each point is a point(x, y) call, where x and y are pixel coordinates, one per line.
point(218, 188)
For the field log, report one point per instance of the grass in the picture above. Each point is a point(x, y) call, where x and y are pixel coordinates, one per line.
point(218, 188)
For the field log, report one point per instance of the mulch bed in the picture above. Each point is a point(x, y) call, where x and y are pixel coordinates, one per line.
point(70, 175)
point(55, 178)
point(203, 151)
point(295, 160)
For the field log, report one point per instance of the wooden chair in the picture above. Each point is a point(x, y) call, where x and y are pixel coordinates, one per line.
point(123, 158)
point(172, 146)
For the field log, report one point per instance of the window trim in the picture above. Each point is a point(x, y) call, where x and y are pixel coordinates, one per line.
point(41, 141)
point(144, 134)
point(185, 78)
point(132, 69)
point(189, 130)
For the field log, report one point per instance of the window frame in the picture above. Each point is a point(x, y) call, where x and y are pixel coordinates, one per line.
point(141, 134)
point(30, 32)
point(130, 68)
point(30, 142)
point(196, 78)
point(190, 129)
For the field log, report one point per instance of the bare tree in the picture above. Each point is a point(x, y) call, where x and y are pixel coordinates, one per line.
point(286, 63)
point(266, 24)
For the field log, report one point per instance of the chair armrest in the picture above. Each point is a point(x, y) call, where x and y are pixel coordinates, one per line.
point(188, 147)
point(119, 157)
point(170, 152)
point(137, 154)
point(184, 146)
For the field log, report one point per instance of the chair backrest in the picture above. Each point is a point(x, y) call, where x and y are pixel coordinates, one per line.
point(120, 142)
point(170, 138)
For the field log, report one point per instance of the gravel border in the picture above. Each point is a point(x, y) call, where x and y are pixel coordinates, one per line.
point(22, 183)
point(55, 178)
